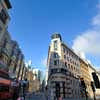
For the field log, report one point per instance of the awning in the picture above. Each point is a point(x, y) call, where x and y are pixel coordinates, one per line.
point(4, 81)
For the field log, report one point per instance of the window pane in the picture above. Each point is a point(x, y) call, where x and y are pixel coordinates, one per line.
point(55, 45)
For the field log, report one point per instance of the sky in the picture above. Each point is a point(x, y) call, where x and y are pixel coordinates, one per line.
point(34, 21)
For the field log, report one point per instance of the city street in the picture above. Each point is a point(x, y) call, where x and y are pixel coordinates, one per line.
point(49, 50)
point(36, 97)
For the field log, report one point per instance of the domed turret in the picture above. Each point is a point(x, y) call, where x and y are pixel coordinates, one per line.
point(56, 35)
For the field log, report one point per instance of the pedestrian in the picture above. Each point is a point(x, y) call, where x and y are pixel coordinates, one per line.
point(15, 93)
point(20, 98)
point(60, 98)
point(46, 93)
point(25, 87)
point(15, 90)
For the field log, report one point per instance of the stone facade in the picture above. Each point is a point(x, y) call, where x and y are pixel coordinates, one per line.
point(11, 57)
point(4, 35)
point(95, 78)
point(85, 76)
point(4, 17)
point(70, 76)
point(34, 83)
point(64, 70)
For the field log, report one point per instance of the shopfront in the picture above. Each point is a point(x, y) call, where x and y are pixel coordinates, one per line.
point(5, 86)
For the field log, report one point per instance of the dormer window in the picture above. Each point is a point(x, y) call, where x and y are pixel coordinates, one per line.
point(3, 16)
point(8, 4)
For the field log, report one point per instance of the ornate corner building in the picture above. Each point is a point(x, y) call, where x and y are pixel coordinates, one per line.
point(64, 70)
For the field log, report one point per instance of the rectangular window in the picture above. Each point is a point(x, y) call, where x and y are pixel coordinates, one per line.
point(0, 29)
point(55, 55)
point(64, 56)
point(67, 58)
point(66, 64)
point(4, 89)
point(55, 45)
point(69, 66)
point(56, 62)
point(64, 50)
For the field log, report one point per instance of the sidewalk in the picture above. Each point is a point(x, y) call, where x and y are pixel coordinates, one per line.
point(28, 96)
point(39, 96)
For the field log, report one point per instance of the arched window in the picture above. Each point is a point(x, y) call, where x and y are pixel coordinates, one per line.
point(96, 80)
point(65, 64)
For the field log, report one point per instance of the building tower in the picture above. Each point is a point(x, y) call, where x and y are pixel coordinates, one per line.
point(64, 68)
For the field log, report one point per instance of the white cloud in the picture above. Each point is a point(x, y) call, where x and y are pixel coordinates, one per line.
point(81, 54)
point(98, 6)
point(96, 20)
point(89, 41)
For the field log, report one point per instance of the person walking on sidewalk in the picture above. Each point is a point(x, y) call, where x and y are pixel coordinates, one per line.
point(60, 98)
point(15, 90)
